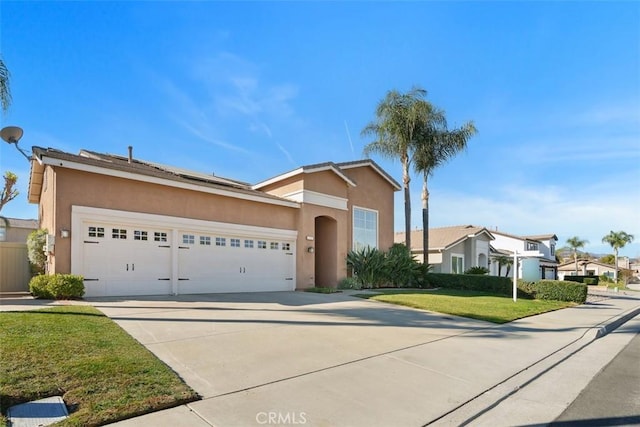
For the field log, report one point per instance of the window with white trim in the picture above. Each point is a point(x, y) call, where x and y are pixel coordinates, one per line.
point(532, 246)
point(234, 243)
point(159, 236)
point(262, 244)
point(457, 264)
point(221, 241)
point(188, 239)
point(552, 248)
point(118, 233)
point(248, 244)
point(96, 231)
point(205, 240)
point(140, 235)
point(365, 228)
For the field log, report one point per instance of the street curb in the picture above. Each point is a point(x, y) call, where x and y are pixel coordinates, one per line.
point(483, 403)
point(621, 320)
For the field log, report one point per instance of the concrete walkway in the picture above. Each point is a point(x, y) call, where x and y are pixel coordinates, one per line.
point(294, 358)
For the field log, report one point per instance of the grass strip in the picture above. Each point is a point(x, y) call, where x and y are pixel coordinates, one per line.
point(103, 374)
point(472, 304)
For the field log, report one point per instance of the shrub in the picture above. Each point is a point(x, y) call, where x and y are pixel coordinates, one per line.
point(349, 283)
point(57, 286)
point(37, 258)
point(401, 268)
point(472, 282)
point(477, 270)
point(368, 266)
point(590, 281)
point(582, 279)
point(559, 290)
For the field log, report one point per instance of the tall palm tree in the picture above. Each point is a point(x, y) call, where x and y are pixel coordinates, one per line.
point(434, 146)
point(617, 240)
point(5, 92)
point(399, 117)
point(576, 243)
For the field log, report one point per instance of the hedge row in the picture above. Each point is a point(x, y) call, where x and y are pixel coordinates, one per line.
point(544, 289)
point(587, 280)
point(57, 286)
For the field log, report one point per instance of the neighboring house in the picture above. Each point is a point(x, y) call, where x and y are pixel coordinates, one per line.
point(587, 267)
point(16, 230)
point(452, 249)
point(543, 266)
point(132, 227)
point(15, 271)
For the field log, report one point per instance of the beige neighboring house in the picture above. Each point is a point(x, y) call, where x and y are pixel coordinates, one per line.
point(15, 271)
point(452, 249)
point(133, 227)
point(587, 267)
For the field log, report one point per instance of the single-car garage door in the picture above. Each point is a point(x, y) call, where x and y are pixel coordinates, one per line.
point(128, 253)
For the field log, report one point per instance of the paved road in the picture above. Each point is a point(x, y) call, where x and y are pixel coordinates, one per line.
point(613, 396)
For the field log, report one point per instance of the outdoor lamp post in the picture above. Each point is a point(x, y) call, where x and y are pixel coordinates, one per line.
point(12, 134)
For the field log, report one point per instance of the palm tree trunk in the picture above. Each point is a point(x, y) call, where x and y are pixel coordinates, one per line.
point(406, 178)
point(425, 221)
point(615, 270)
point(575, 258)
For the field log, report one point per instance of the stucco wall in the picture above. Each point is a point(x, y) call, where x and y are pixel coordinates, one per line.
point(87, 189)
point(372, 192)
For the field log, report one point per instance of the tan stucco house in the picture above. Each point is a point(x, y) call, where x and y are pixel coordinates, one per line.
point(133, 227)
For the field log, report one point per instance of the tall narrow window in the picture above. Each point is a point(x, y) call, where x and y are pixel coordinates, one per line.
point(457, 264)
point(365, 228)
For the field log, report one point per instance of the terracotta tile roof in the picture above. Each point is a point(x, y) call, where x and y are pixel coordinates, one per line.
point(443, 237)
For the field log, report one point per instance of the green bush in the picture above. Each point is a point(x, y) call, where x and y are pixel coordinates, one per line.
point(368, 266)
point(473, 282)
point(37, 258)
point(477, 270)
point(559, 290)
point(349, 283)
point(582, 279)
point(57, 286)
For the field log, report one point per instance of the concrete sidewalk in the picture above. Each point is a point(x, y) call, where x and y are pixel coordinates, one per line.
point(389, 375)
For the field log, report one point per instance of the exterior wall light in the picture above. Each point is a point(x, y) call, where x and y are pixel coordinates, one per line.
point(64, 233)
point(310, 249)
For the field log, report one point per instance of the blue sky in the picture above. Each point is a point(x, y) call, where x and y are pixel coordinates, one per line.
point(249, 90)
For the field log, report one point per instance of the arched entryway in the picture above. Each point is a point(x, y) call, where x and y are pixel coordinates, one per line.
point(326, 249)
point(483, 261)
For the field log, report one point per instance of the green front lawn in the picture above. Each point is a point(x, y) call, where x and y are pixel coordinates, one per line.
point(103, 374)
point(476, 305)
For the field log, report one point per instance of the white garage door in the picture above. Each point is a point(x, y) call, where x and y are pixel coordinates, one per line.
point(126, 253)
point(227, 263)
point(125, 260)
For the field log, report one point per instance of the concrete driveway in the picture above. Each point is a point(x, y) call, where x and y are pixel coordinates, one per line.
point(290, 358)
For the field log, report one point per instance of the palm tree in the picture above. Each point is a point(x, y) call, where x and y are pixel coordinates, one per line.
point(503, 260)
point(5, 93)
point(399, 117)
point(434, 146)
point(617, 240)
point(576, 243)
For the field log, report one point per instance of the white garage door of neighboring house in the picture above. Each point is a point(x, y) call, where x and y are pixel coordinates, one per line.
point(125, 253)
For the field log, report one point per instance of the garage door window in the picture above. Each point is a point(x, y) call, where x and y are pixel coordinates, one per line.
point(118, 233)
point(286, 246)
point(235, 243)
point(96, 231)
point(221, 241)
point(262, 244)
point(159, 237)
point(274, 245)
point(140, 235)
point(188, 239)
point(248, 244)
point(205, 240)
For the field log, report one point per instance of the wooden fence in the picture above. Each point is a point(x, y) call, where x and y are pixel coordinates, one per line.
point(15, 271)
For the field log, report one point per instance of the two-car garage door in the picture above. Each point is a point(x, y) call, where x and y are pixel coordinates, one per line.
point(123, 253)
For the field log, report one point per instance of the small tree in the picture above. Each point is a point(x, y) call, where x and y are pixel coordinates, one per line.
point(617, 240)
point(35, 243)
point(9, 192)
point(576, 243)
